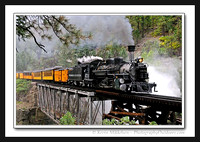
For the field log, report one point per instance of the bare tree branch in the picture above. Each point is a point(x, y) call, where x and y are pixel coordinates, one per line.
point(40, 45)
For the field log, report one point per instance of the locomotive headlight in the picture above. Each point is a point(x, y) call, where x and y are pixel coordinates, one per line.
point(141, 60)
point(121, 80)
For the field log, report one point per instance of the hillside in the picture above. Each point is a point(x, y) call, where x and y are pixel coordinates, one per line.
point(27, 112)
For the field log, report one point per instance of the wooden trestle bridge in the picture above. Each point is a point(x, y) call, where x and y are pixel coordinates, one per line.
point(88, 105)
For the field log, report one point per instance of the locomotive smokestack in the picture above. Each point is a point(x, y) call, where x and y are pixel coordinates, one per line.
point(131, 49)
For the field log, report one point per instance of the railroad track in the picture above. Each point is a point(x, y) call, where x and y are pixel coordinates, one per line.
point(158, 101)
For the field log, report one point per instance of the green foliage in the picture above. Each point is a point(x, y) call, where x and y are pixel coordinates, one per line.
point(86, 50)
point(112, 50)
point(22, 86)
point(169, 42)
point(123, 121)
point(157, 32)
point(108, 122)
point(169, 27)
point(67, 57)
point(153, 49)
point(150, 50)
point(153, 123)
point(67, 119)
point(19, 102)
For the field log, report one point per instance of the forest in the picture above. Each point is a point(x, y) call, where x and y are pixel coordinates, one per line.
point(37, 47)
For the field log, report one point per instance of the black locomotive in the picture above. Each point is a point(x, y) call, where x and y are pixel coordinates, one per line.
point(112, 73)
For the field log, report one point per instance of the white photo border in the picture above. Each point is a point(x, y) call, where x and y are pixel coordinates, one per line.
point(91, 11)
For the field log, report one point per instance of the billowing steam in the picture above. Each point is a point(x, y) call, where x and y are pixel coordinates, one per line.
point(167, 76)
point(104, 29)
point(89, 59)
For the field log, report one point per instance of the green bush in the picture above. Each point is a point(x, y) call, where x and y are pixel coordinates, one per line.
point(153, 49)
point(67, 119)
point(153, 123)
point(22, 86)
point(157, 32)
point(123, 121)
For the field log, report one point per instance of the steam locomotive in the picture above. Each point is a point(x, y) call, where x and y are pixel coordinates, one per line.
point(113, 73)
point(95, 72)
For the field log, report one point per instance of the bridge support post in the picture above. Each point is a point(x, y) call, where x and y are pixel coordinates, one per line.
point(103, 109)
point(38, 97)
point(78, 109)
point(45, 98)
point(48, 100)
point(52, 102)
point(68, 101)
point(90, 110)
point(62, 98)
point(57, 104)
point(42, 96)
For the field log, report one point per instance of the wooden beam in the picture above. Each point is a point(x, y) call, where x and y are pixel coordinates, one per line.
point(110, 116)
point(127, 113)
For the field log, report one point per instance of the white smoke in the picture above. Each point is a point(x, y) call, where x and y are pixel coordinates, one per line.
point(89, 59)
point(104, 29)
point(167, 76)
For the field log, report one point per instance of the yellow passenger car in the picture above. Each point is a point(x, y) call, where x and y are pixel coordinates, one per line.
point(37, 75)
point(48, 74)
point(21, 75)
point(65, 75)
point(27, 75)
point(61, 75)
point(17, 75)
point(58, 75)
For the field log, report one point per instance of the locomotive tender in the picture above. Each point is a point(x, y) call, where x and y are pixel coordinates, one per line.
point(95, 72)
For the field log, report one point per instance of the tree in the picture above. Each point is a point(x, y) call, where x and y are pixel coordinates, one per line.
point(67, 119)
point(25, 61)
point(29, 26)
point(112, 50)
point(167, 28)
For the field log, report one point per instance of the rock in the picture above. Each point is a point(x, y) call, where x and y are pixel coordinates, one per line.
point(29, 117)
point(22, 115)
point(26, 109)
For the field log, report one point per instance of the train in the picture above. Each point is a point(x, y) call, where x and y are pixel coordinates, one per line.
point(115, 73)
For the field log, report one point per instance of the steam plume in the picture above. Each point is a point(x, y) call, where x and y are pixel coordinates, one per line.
point(167, 76)
point(104, 29)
